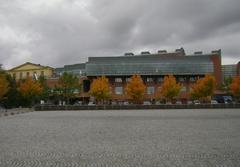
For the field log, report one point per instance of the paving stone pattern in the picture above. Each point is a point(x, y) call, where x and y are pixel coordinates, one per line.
point(174, 138)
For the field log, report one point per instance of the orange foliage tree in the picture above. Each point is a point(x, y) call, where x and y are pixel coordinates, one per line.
point(3, 86)
point(100, 89)
point(135, 89)
point(204, 88)
point(170, 89)
point(30, 89)
point(235, 87)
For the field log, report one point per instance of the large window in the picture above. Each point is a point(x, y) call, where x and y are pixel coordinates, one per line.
point(149, 79)
point(20, 75)
point(128, 79)
point(119, 90)
point(192, 79)
point(160, 79)
point(183, 89)
point(181, 79)
point(150, 90)
point(119, 80)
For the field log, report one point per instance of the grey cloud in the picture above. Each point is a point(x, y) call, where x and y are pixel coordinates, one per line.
point(62, 32)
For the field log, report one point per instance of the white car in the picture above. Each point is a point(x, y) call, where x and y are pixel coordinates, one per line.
point(214, 102)
point(178, 102)
point(91, 103)
point(146, 103)
point(196, 102)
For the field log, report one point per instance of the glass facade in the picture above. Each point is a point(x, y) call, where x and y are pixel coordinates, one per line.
point(76, 69)
point(229, 70)
point(148, 65)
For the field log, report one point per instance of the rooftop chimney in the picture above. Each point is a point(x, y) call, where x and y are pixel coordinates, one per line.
point(217, 51)
point(198, 53)
point(162, 51)
point(145, 53)
point(129, 54)
point(181, 50)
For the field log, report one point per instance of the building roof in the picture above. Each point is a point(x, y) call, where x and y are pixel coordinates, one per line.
point(75, 66)
point(77, 69)
point(28, 63)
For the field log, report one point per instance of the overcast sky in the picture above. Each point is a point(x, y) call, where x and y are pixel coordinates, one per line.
point(58, 32)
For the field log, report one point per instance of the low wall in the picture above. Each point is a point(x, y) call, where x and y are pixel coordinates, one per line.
point(14, 111)
point(134, 107)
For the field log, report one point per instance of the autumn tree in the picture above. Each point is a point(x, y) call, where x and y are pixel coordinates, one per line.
point(170, 89)
point(30, 89)
point(235, 87)
point(68, 84)
point(100, 89)
point(204, 88)
point(4, 86)
point(135, 89)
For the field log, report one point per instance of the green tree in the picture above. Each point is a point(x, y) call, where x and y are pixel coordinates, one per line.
point(14, 97)
point(4, 85)
point(45, 93)
point(69, 85)
point(226, 84)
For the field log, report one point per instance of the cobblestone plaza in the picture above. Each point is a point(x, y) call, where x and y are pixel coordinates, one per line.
point(121, 138)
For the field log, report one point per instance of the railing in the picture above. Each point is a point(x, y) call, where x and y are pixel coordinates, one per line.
point(134, 107)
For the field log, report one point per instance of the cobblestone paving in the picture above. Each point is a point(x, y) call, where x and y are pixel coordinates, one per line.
point(174, 138)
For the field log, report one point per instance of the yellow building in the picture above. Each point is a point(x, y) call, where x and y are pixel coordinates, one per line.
point(30, 70)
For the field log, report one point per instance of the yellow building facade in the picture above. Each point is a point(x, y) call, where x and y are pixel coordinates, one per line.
point(30, 70)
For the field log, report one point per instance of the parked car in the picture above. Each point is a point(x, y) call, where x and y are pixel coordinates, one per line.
point(227, 99)
point(214, 102)
point(196, 102)
point(78, 103)
point(91, 103)
point(178, 102)
point(146, 103)
point(114, 103)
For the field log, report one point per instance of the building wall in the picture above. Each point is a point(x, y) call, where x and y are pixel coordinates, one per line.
point(238, 68)
point(28, 70)
point(229, 70)
point(216, 59)
point(151, 82)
